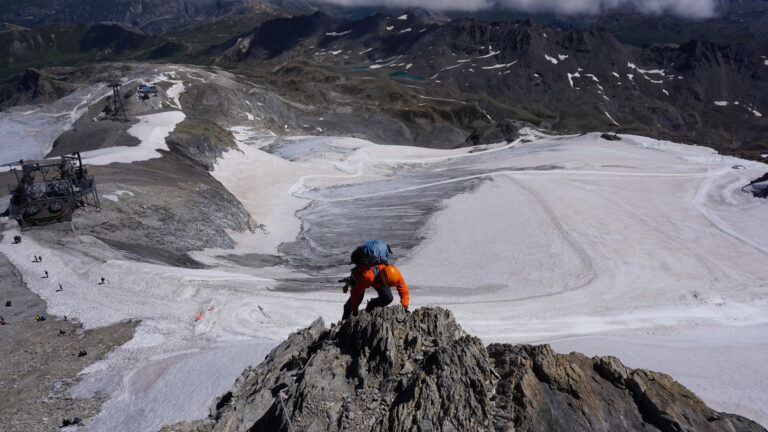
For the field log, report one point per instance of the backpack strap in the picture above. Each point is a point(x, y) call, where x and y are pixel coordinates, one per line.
point(377, 271)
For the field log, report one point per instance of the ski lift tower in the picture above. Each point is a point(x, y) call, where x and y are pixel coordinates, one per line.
point(116, 107)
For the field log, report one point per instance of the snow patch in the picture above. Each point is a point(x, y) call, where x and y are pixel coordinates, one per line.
point(722, 103)
point(611, 118)
point(490, 54)
point(120, 192)
point(500, 66)
point(339, 34)
point(151, 131)
point(571, 76)
point(552, 59)
point(646, 71)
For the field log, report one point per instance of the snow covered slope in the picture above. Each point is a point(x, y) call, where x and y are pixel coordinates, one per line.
point(642, 248)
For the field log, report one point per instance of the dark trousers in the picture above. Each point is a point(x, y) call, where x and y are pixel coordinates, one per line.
point(384, 298)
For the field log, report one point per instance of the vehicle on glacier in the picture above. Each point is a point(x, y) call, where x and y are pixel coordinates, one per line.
point(49, 191)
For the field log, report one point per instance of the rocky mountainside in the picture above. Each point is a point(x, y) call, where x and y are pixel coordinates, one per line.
point(64, 44)
point(391, 370)
point(487, 74)
point(446, 84)
point(737, 20)
point(32, 87)
point(149, 15)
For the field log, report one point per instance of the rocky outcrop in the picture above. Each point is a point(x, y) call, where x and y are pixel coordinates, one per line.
point(31, 87)
point(391, 370)
point(476, 77)
point(542, 390)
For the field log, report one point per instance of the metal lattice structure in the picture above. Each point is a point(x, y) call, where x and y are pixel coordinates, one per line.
point(115, 107)
point(49, 191)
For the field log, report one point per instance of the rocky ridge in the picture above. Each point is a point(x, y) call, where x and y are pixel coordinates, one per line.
point(391, 370)
point(484, 74)
point(411, 79)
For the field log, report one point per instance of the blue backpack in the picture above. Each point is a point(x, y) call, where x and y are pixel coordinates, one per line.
point(371, 253)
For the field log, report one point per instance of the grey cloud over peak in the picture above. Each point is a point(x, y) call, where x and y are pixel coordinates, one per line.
point(688, 8)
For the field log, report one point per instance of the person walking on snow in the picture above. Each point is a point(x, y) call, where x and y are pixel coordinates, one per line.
point(372, 269)
point(46, 274)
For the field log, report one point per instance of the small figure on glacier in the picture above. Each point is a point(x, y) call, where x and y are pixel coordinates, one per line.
point(46, 274)
point(102, 280)
point(61, 288)
point(372, 269)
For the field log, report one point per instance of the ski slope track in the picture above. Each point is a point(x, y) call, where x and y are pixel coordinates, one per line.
point(639, 248)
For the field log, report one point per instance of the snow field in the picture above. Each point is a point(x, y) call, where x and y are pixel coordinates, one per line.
point(639, 248)
point(151, 131)
point(171, 354)
point(29, 132)
point(608, 240)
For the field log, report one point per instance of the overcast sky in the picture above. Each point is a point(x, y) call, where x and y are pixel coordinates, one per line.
point(691, 8)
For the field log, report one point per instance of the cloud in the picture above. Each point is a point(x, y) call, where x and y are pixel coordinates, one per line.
point(688, 8)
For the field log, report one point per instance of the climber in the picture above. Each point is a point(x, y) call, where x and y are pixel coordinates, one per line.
point(372, 268)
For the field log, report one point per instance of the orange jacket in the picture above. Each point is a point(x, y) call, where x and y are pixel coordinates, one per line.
point(365, 277)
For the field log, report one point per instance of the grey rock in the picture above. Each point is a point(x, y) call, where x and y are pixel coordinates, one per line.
point(373, 373)
point(543, 390)
point(336, 379)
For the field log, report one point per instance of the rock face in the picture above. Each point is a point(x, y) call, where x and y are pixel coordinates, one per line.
point(542, 390)
point(486, 74)
point(391, 370)
point(30, 87)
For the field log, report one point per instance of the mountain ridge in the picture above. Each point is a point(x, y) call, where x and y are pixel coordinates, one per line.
point(698, 92)
point(391, 370)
